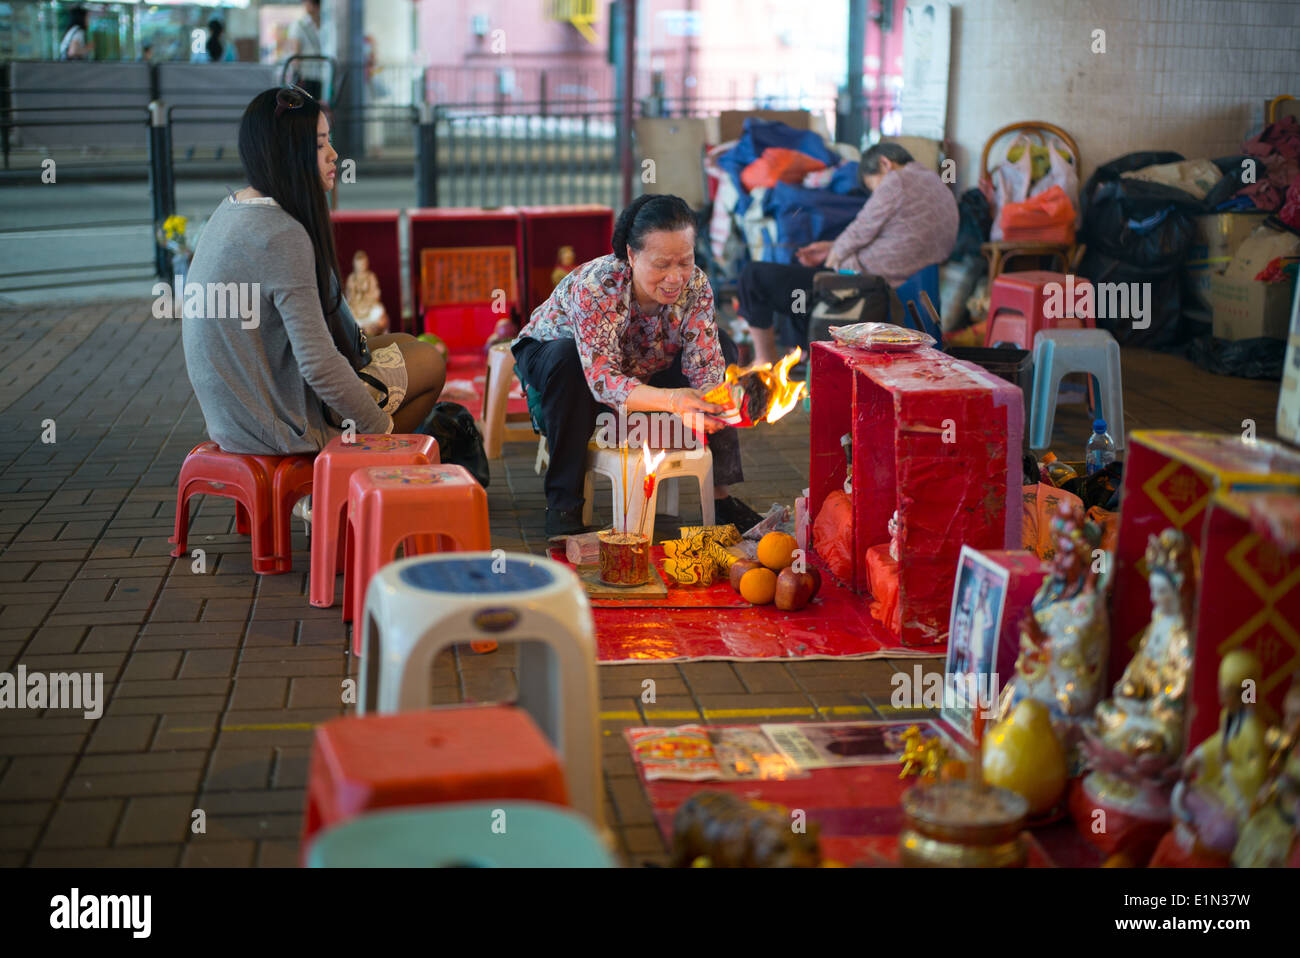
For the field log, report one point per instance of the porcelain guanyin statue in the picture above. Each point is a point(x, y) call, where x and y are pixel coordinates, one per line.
point(1065, 634)
point(1137, 739)
point(362, 293)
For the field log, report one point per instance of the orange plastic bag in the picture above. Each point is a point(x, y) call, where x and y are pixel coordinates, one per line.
point(833, 534)
point(1041, 502)
point(1045, 218)
point(779, 165)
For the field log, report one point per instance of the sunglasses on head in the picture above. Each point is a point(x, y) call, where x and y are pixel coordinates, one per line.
point(290, 98)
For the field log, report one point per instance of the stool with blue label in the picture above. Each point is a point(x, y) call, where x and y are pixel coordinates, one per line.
point(416, 607)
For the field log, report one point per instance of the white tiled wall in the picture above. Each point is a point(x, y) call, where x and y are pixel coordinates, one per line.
point(1185, 75)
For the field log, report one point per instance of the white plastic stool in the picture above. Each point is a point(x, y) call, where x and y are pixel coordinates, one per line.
point(1058, 352)
point(419, 606)
point(677, 464)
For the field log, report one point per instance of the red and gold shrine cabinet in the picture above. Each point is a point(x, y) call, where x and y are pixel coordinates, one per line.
point(1170, 478)
point(585, 227)
point(1249, 599)
point(374, 231)
point(443, 227)
point(934, 437)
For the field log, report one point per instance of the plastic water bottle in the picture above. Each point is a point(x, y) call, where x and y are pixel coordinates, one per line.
point(1101, 448)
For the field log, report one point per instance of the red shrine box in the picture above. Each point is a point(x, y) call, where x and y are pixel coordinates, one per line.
point(1169, 479)
point(1025, 574)
point(1249, 599)
point(374, 231)
point(934, 437)
point(587, 228)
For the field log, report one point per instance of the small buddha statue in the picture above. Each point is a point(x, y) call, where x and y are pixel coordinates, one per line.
point(362, 293)
point(1065, 634)
point(565, 260)
point(1268, 839)
point(1223, 775)
point(1144, 717)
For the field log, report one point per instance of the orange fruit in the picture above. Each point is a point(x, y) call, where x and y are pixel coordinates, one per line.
point(758, 586)
point(776, 550)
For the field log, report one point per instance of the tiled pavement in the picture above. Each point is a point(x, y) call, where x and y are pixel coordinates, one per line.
point(214, 681)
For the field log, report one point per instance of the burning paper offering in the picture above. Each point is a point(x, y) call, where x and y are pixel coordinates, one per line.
point(761, 393)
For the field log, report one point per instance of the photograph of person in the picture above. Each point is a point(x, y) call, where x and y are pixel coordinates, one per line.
point(979, 594)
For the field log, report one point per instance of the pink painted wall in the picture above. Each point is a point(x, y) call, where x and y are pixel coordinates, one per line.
point(744, 48)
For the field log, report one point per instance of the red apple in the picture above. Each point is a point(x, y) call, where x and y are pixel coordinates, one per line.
point(817, 580)
point(739, 568)
point(794, 590)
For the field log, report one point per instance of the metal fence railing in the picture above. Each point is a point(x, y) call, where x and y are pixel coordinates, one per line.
point(561, 147)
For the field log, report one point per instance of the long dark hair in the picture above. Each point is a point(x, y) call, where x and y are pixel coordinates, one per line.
point(77, 18)
point(279, 158)
point(649, 213)
point(215, 46)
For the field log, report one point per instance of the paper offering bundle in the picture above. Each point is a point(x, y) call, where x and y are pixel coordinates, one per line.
point(694, 753)
point(884, 336)
point(731, 397)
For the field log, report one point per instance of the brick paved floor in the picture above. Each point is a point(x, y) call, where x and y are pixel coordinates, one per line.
point(213, 682)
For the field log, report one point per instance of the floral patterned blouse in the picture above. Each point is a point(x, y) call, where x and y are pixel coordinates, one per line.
point(620, 345)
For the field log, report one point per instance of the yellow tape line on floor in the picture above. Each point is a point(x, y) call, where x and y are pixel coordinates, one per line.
point(656, 716)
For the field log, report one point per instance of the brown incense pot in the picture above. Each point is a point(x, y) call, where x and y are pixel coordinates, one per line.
point(624, 558)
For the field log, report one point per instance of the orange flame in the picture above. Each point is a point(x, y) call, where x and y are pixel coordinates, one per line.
point(783, 395)
point(651, 463)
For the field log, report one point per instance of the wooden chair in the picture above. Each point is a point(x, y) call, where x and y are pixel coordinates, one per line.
point(1001, 252)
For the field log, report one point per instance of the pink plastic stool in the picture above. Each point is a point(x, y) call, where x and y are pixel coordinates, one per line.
point(335, 465)
point(416, 504)
point(264, 489)
point(1017, 306)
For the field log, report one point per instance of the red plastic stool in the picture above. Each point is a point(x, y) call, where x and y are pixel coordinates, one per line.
point(334, 467)
point(1017, 306)
point(262, 487)
point(427, 757)
point(293, 479)
point(416, 504)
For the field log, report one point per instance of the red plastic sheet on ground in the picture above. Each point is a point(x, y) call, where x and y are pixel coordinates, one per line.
point(858, 812)
point(682, 626)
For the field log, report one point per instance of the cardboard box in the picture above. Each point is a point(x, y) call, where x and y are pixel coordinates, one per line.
point(1249, 598)
point(1218, 237)
point(1170, 478)
point(1245, 308)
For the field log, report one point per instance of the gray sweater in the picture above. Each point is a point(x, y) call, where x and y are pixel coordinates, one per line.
point(261, 387)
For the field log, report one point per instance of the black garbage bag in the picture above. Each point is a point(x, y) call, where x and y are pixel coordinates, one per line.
point(1260, 358)
point(459, 441)
point(1164, 325)
point(975, 221)
point(1139, 233)
point(1136, 222)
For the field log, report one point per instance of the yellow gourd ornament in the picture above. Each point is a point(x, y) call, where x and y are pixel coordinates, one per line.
point(1024, 755)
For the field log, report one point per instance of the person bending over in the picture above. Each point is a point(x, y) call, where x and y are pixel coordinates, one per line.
point(634, 328)
point(909, 222)
point(282, 380)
